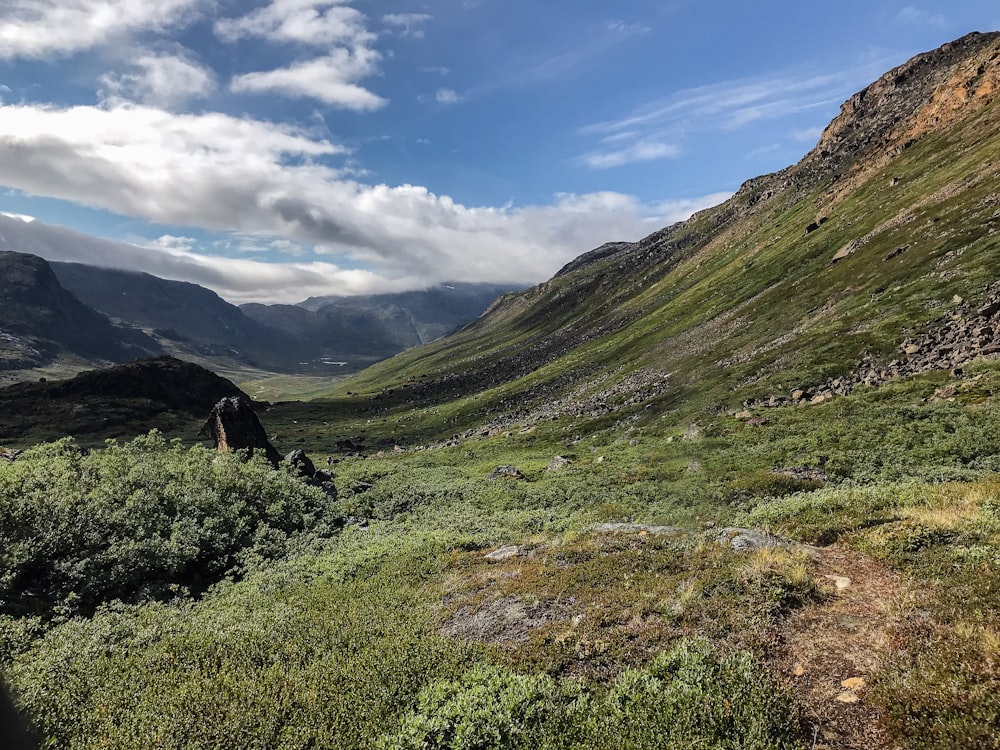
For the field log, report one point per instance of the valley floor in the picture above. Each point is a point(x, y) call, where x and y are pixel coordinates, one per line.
point(815, 576)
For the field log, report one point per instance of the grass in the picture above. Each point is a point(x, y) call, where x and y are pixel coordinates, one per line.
point(402, 632)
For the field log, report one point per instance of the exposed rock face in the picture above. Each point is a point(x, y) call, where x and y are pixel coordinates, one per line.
point(925, 93)
point(39, 319)
point(233, 425)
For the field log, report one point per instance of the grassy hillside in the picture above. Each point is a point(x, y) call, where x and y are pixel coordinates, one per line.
point(597, 517)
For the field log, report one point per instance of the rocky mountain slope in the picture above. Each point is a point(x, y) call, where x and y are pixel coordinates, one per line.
point(805, 276)
point(40, 319)
point(186, 317)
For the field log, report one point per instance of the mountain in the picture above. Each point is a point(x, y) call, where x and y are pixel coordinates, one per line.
point(41, 319)
point(193, 321)
point(381, 324)
point(186, 316)
point(163, 392)
point(808, 279)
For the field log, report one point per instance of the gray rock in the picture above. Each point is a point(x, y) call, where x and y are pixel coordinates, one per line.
point(506, 472)
point(558, 463)
point(634, 528)
point(504, 553)
point(304, 466)
point(751, 540)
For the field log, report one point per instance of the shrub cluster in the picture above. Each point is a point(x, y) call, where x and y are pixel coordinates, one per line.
point(140, 520)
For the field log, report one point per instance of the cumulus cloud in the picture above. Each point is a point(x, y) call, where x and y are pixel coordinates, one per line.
point(166, 80)
point(447, 96)
point(407, 24)
point(50, 28)
point(314, 22)
point(237, 280)
point(233, 175)
point(335, 77)
point(331, 79)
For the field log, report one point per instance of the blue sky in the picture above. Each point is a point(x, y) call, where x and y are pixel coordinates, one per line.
point(275, 149)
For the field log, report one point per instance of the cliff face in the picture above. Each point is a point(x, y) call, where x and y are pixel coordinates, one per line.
point(39, 318)
point(930, 92)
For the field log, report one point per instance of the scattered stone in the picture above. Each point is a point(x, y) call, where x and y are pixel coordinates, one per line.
point(9, 454)
point(634, 528)
point(854, 684)
point(359, 487)
point(599, 460)
point(744, 415)
point(302, 464)
point(841, 582)
point(504, 553)
point(506, 472)
point(558, 463)
point(799, 670)
point(798, 394)
point(849, 249)
point(847, 697)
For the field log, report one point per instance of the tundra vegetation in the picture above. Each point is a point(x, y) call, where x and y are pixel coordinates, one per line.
point(755, 500)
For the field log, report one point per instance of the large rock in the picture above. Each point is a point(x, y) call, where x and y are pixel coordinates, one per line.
point(233, 425)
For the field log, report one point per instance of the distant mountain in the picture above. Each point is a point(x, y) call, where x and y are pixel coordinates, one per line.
point(40, 319)
point(428, 314)
point(382, 324)
point(186, 316)
point(189, 320)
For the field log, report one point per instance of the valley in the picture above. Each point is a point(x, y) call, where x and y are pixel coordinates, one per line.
point(733, 485)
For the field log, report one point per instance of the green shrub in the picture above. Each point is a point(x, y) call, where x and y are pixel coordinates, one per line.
point(139, 520)
point(686, 698)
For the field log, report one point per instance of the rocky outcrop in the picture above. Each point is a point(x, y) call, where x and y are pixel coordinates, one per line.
point(233, 425)
point(954, 340)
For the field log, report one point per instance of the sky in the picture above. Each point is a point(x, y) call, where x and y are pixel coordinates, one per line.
point(277, 149)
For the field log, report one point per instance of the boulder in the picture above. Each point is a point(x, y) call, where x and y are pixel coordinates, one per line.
point(233, 425)
point(558, 463)
point(506, 472)
point(303, 465)
point(504, 553)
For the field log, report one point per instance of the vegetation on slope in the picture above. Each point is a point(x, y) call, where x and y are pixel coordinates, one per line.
point(814, 575)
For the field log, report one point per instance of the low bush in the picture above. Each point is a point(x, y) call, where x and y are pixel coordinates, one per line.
point(140, 520)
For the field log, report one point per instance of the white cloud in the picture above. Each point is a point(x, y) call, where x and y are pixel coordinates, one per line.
point(54, 28)
point(619, 26)
point(171, 242)
point(447, 96)
point(637, 152)
point(651, 130)
point(165, 80)
point(233, 175)
point(912, 15)
point(331, 79)
point(314, 22)
point(407, 24)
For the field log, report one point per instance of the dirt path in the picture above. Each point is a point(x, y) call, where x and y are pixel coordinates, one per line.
point(831, 650)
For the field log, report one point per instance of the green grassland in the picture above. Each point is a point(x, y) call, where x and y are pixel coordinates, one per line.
point(210, 603)
point(153, 594)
